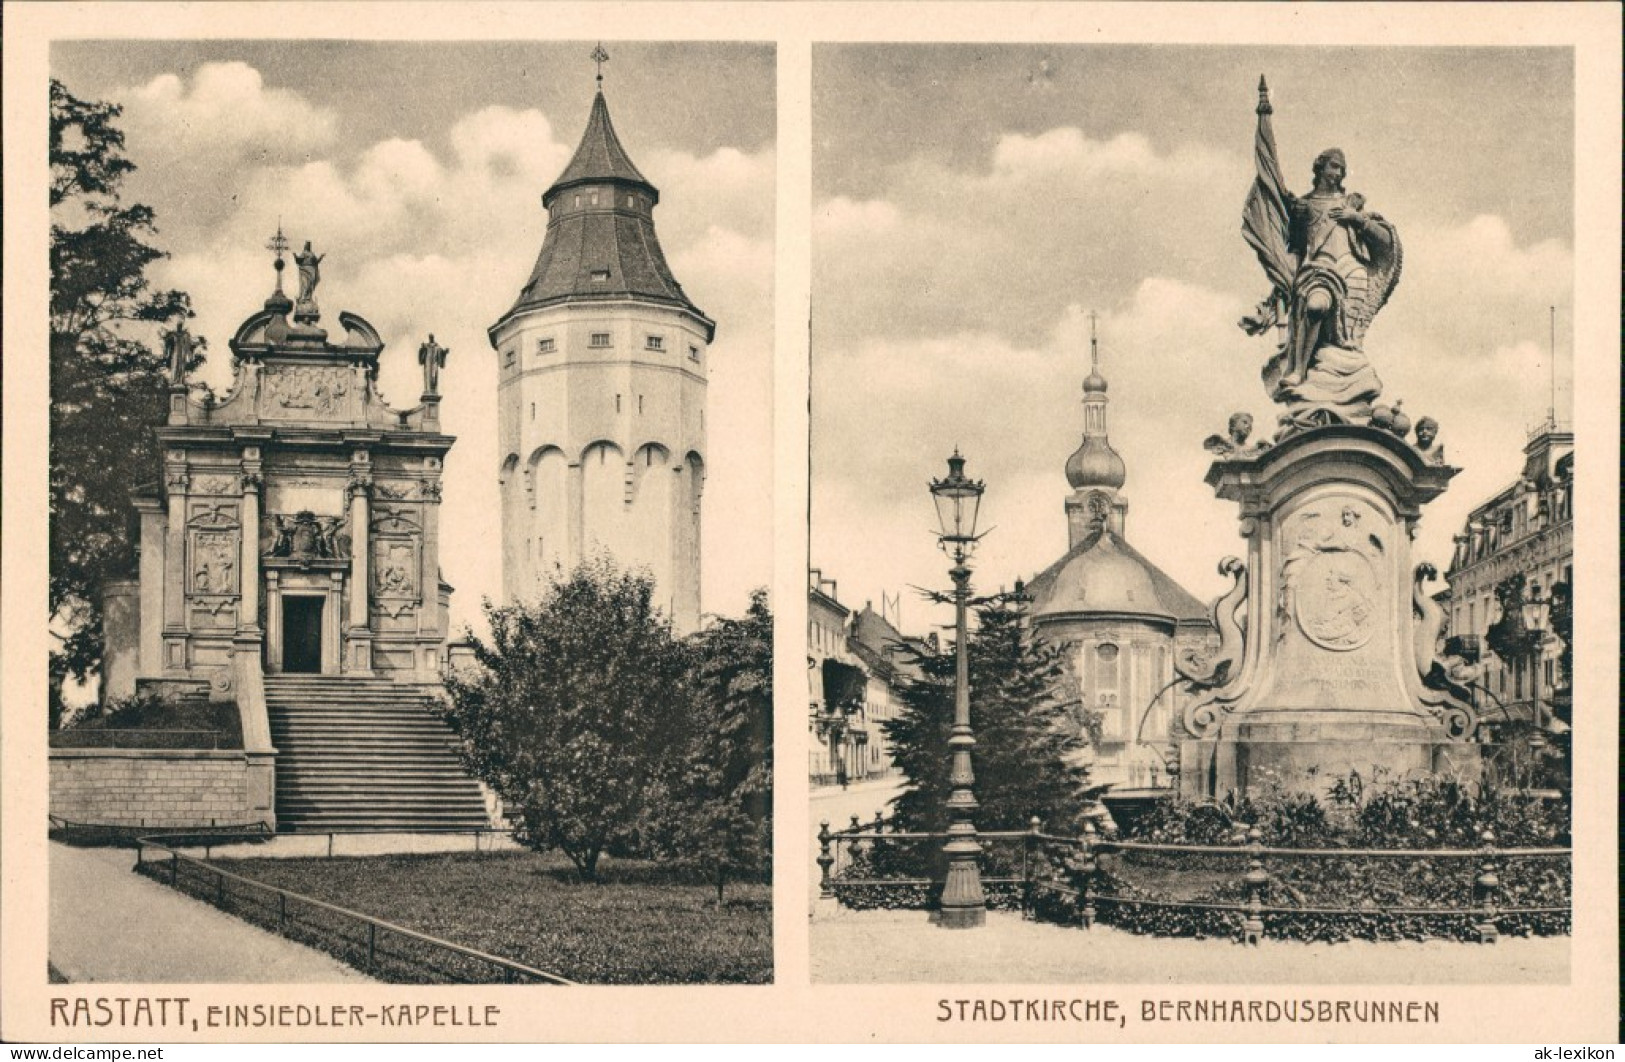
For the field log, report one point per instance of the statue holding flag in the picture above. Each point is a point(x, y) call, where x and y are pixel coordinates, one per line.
point(1332, 266)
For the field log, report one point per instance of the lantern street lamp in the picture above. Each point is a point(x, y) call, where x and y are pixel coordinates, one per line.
point(957, 499)
point(1534, 611)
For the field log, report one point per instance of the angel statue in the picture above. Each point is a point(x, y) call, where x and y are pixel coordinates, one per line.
point(1332, 265)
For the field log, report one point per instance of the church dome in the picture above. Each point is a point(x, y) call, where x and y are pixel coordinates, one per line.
point(1094, 383)
point(1095, 464)
point(1105, 575)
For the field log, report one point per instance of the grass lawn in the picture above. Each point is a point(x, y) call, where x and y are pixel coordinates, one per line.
point(643, 924)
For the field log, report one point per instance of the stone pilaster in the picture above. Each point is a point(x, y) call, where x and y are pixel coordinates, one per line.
point(360, 633)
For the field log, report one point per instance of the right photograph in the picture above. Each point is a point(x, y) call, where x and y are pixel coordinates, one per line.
point(1190, 582)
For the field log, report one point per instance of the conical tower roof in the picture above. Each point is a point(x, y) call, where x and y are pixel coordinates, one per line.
point(601, 243)
point(599, 157)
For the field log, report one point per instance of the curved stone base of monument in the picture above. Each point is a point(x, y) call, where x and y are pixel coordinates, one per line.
point(1328, 680)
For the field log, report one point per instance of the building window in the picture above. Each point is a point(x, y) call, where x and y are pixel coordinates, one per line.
point(617, 403)
point(598, 339)
point(508, 357)
point(640, 405)
point(693, 353)
point(578, 200)
point(600, 276)
point(545, 345)
point(631, 201)
point(654, 342)
point(533, 411)
point(595, 199)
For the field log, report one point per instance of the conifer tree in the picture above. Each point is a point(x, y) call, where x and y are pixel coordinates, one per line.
point(1029, 748)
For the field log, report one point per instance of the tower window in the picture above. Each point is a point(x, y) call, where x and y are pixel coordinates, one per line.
point(533, 411)
point(631, 201)
point(595, 199)
point(693, 353)
point(598, 339)
point(546, 345)
point(600, 276)
point(654, 342)
point(508, 357)
point(578, 200)
point(640, 405)
point(617, 403)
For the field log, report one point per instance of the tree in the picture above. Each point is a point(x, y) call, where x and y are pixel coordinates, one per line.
point(720, 795)
point(574, 709)
point(1029, 749)
point(108, 388)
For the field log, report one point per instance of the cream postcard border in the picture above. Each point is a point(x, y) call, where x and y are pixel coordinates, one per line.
point(791, 1009)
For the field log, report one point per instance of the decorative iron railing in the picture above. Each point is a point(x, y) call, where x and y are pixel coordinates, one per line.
point(1078, 879)
point(388, 951)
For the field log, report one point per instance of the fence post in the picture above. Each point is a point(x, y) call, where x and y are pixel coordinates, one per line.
point(1252, 929)
point(880, 821)
point(219, 889)
point(825, 860)
point(1027, 842)
point(174, 869)
point(330, 845)
point(1486, 885)
point(1087, 870)
point(281, 909)
point(372, 944)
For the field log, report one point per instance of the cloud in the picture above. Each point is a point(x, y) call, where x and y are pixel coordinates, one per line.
point(225, 108)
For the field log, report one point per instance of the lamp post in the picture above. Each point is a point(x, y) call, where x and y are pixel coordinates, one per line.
point(1534, 610)
point(957, 499)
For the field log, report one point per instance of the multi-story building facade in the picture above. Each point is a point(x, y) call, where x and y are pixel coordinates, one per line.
point(1525, 529)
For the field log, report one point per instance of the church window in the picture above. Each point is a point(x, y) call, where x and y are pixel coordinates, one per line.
point(598, 339)
point(693, 353)
point(600, 276)
point(545, 345)
point(654, 342)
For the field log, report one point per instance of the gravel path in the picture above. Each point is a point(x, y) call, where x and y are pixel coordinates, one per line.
point(110, 924)
point(900, 947)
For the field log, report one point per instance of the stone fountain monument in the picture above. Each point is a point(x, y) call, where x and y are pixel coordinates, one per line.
point(1327, 660)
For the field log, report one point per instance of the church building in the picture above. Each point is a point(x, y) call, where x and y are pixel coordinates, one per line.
point(289, 567)
point(601, 399)
point(1119, 618)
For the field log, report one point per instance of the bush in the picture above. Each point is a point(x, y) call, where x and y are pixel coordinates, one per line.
point(1347, 898)
point(150, 711)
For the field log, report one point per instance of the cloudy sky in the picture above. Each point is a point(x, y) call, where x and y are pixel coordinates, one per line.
point(972, 205)
point(418, 170)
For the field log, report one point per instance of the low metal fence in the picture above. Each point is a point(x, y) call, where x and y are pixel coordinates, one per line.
point(1081, 879)
point(388, 951)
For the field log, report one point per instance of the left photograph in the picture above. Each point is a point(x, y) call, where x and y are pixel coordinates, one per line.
point(410, 511)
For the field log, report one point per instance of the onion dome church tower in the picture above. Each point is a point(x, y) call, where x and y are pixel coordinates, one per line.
point(601, 393)
point(1119, 618)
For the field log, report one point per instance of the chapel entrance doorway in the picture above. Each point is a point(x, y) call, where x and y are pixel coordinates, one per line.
point(302, 635)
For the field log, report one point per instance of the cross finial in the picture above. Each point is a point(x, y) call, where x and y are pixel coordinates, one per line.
point(600, 57)
point(278, 244)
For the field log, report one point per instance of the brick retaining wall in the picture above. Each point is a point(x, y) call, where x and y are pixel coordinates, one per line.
point(153, 787)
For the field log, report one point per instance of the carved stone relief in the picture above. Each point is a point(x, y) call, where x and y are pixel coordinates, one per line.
point(1331, 575)
point(305, 391)
point(214, 562)
point(225, 484)
point(395, 568)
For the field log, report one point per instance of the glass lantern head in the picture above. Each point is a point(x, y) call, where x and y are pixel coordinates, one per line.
point(957, 498)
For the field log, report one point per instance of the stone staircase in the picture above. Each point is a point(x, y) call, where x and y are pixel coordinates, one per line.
point(365, 754)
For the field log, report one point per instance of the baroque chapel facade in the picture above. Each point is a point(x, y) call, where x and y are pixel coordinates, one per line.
point(601, 393)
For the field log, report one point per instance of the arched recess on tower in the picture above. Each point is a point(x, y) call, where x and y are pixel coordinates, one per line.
point(547, 545)
point(511, 489)
point(654, 500)
point(604, 502)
